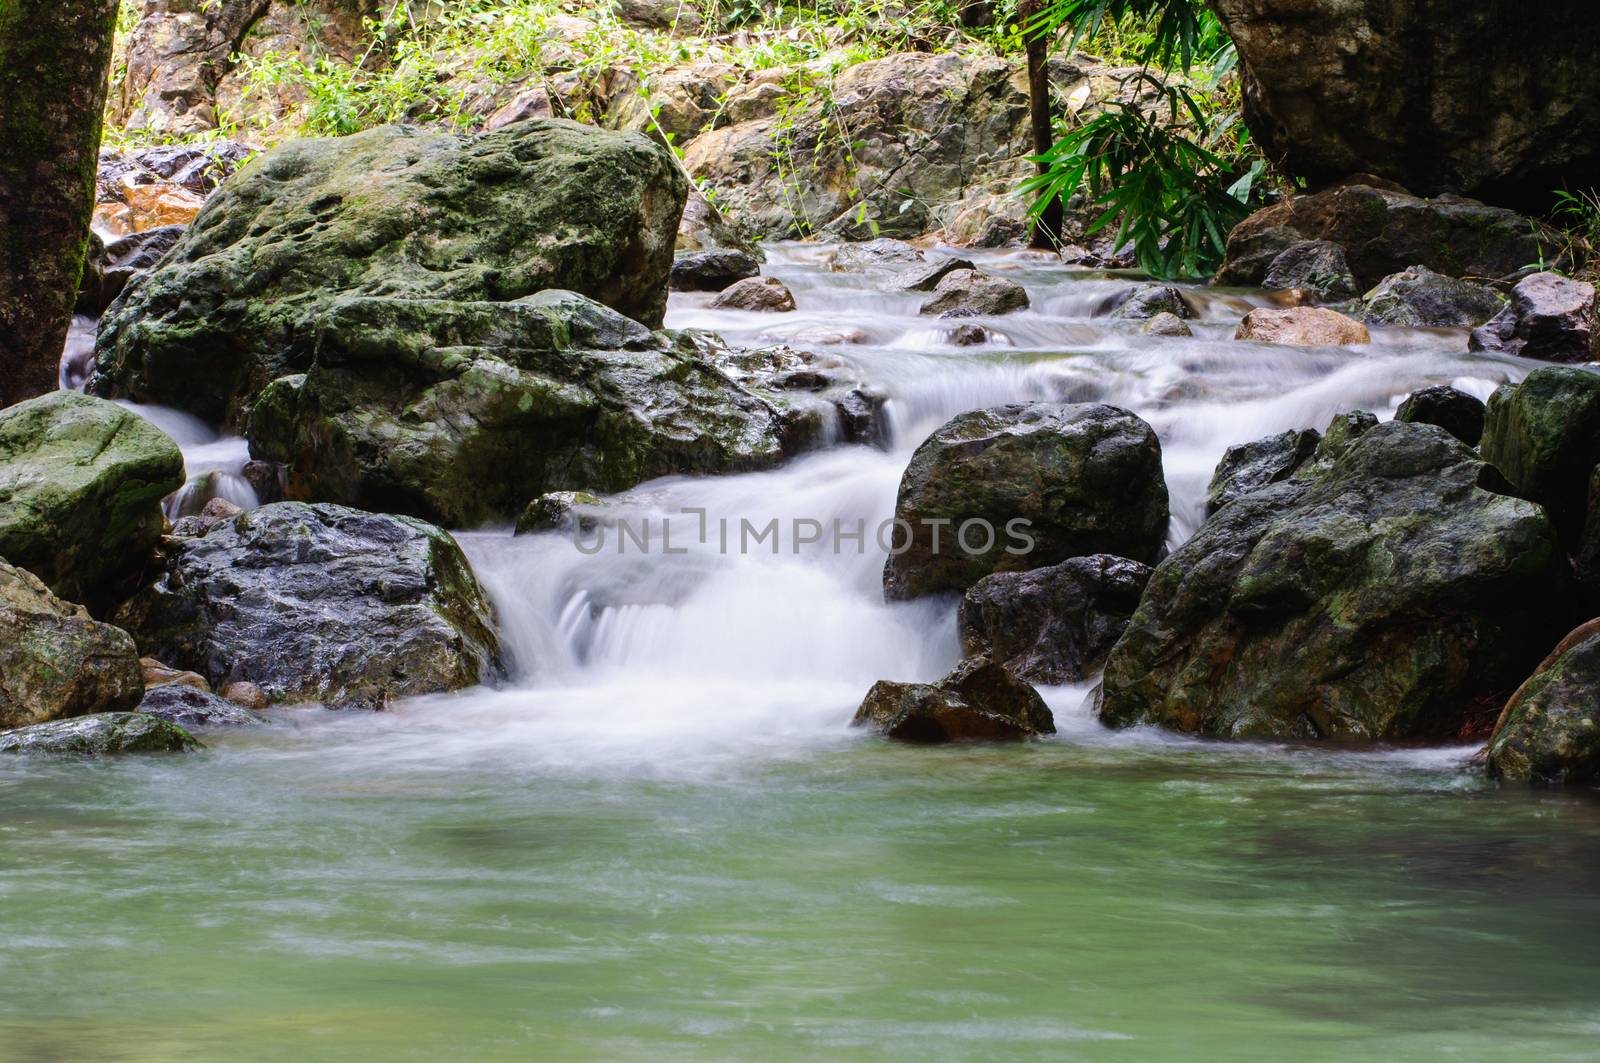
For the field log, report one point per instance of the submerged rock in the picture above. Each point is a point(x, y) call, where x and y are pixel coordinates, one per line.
point(1248, 467)
point(1421, 298)
point(81, 483)
point(1052, 625)
point(1544, 436)
point(190, 708)
point(1383, 229)
point(321, 603)
point(1316, 267)
point(1550, 729)
point(1378, 594)
point(54, 660)
point(1145, 302)
point(1550, 317)
point(1453, 410)
point(1302, 326)
point(102, 734)
point(390, 213)
point(460, 412)
point(979, 701)
point(762, 294)
point(975, 292)
point(1022, 487)
point(1165, 324)
point(712, 270)
point(559, 509)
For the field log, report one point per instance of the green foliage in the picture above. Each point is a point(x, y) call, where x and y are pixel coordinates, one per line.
point(1171, 34)
point(1168, 170)
point(1577, 216)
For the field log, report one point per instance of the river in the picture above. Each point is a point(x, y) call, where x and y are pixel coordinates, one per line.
point(661, 840)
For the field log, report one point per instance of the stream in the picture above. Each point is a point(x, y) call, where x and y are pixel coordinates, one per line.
point(661, 840)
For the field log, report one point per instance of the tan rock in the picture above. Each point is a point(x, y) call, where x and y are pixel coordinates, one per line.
point(248, 695)
point(158, 204)
point(157, 674)
point(1302, 326)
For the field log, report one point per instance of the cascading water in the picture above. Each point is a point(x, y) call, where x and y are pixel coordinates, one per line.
point(660, 840)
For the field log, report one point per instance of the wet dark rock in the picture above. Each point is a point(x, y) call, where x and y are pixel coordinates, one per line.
point(1544, 436)
point(55, 661)
point(1421, 298)
point(711, 271)
point(1052, 625)
point(1549, 731)
point(762, 294)
point(926, 277)
point(1380, 595)
point(1383, 230)
point(881, 255)
point(391, 213)
point(268, 479)
point(1248, 467)
point(970, 335)
point(1082, 479)
point(215, 512)
point(1549, 317)
point(193, 709)
point(81, 483)
point(1316, 267)
point(111, 266)
point(320, 603)
point(975, 292)
point(99, 735)
point(979, 701)
point(558, 510)
point(1453, 410)
point(1145, 302)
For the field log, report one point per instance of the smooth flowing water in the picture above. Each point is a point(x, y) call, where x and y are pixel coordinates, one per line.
point(662, 841)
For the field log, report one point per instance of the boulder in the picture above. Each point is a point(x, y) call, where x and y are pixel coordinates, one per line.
point(1302, 326)
point(979, 701)
point(390, 213)
point(192, 709)
point(557, 510)
point(1051, 480)
point(972, 291)
point(1165, 324)
point(1549, 317)
point(247, 695)
point(762, 294)
point(1379, 595)
point(112, 265)
point(101, 734)
point(1315, 267)
point(1052, 625)
point(155, 674)
point(216, 511)
point(81, 483)
point(1145, 302)
point(1384, 229)
point(54, 660)
point(1543, 435)
point(1495, 99)
point(926, 277)
point(881, 255)
point(711, 271)
point(460, 412)
point(1549, 731)
point(1247, 467)
point(320, 603)
point(1453, 410)
point(1420, 298)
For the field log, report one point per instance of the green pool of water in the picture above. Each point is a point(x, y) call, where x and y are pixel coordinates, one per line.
point(361, 889)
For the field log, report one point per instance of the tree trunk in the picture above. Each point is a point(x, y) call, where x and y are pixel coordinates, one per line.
point(1047, 227)
point(55, 57)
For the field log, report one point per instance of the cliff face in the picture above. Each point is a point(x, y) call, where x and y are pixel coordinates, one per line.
point(1493, 99)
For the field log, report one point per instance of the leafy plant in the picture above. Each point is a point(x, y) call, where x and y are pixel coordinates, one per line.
point(1578, 216)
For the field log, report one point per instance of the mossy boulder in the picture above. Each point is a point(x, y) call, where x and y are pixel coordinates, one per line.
point(460, 412)
point(1420, 298)
point(320, 603)
point(1544, 436)
point(392, 212)
point(1550, 729)
point(1383, 593)
point(55, 661)
point(81, 483)
point(1049, 481)
point(1247, 467)
point(102, 734)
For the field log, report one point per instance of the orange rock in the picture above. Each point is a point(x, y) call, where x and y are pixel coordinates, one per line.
point(246, 694)
point(158, 204)
point(1302, 326)
point(157, 674)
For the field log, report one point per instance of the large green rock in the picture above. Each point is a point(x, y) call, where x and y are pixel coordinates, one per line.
point(1077, 479)
point(54, 660)
point(460, 412)
point(1544, 435)
point(81, 483)
point(1378, 593)
point(320, 603)
point(1550, 729)
point(395, 213)
point(99, 735)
